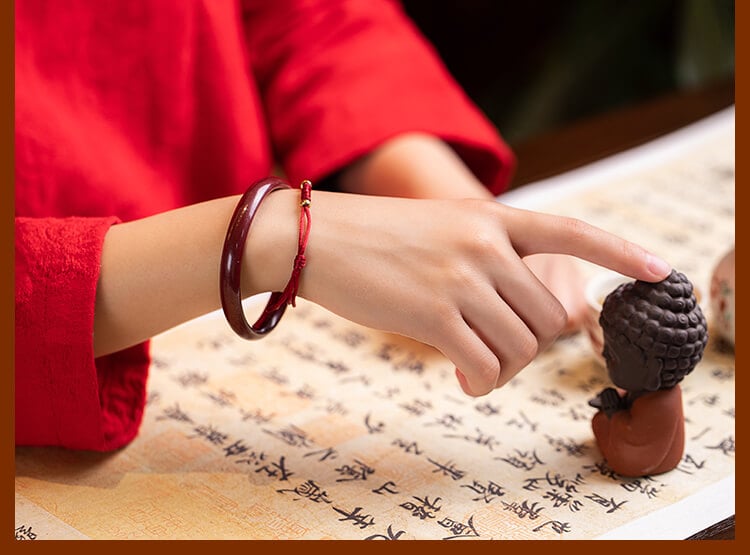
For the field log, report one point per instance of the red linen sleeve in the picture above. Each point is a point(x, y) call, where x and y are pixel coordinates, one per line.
point(63, 396)
point(339, 77)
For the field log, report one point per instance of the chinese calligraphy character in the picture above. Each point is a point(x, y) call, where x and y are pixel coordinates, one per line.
point(576, 413)
point(152, 398)
point(335, 407)
point(410, 363)
point(447, 420)
point(277, 469)
point(560, 499)
point(386, 351)
point(479, 439)
point(423, 509)
point(523, 509)
point(458, 529)
point(642, 486)
point(309, 490)
point(726, 446)
point(689, 465)
point(548, 397)
point(487, 409)
point(352, 338)
point(175, 413)
point(386, 487)
point(390, 392)
point(326, 453)
point(610, 503)
point(338, 367)
point(25, 533)
point(555, 480)
point(252, 458)
point(222, 397)
point(408, 447)
point(257, 416)
point(276, 377)
point(523, 459)
point(602, 468)
point(568, 446)
point(389, 535)
point(448, 469)
point(291, 436)
point(523, 422)
point(722, 374)
point(357, 471)
point(192, 378)
point(363, 521)
point(556, 525)
point(486, 493)
point(417, 407)
point(237, 448)
point(373, 428)
point(210, 433)
point(305, 392)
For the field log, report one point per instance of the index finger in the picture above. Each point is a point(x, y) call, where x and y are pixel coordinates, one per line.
point(534, 232)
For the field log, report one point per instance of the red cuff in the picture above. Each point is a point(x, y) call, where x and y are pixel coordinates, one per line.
point(63, 396)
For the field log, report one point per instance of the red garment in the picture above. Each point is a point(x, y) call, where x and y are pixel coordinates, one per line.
point(126, 109)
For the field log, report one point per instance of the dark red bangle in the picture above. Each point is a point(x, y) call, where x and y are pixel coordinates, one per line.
point(231, 264)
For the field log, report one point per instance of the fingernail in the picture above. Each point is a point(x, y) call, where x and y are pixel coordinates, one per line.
point(657, 266)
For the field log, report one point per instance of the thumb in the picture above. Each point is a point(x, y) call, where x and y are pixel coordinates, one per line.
point(534, 232)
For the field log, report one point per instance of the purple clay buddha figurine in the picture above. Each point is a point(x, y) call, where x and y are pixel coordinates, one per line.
point(654, 335)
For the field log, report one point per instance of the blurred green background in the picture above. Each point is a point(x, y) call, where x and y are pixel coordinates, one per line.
point(537, 65)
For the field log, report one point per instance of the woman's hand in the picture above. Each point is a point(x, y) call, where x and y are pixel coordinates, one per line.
point(489, 338)
point(415, 165)
point(450, 273)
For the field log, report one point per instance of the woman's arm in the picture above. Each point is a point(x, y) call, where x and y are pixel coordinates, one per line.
point(161, 271)
point(448, 273)
point(413, 165)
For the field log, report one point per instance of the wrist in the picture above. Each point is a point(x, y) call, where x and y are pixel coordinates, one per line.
point(271, 243)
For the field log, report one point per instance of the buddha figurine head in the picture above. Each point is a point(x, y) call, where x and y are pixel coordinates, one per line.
point(654, 333)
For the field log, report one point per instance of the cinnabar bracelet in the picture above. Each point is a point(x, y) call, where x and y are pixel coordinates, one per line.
point(231, 264)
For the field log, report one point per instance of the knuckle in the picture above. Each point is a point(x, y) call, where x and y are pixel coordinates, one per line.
point(556, 323)
point(481, 369)
point(482, 235)
point(557, 319)
point(486, 374)
point(527, 347)
point(489, 371)
point(482, 241)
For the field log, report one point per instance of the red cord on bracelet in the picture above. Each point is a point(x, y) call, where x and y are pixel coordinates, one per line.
point(289, 294)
